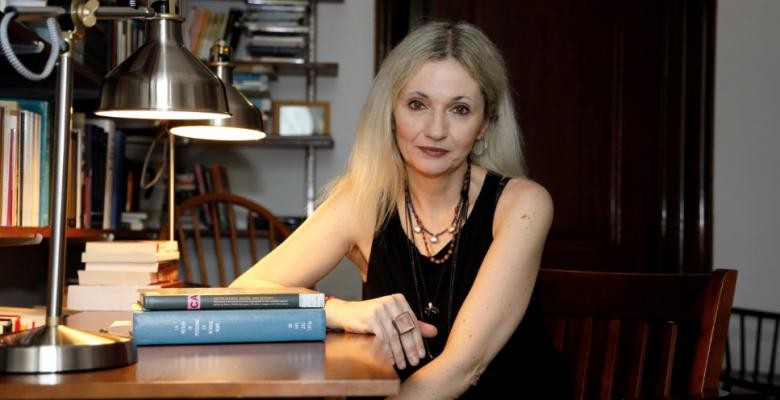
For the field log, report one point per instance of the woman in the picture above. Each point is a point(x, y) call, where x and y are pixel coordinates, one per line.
point(448, 249)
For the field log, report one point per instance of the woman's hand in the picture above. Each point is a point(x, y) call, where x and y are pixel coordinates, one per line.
point(376, 316)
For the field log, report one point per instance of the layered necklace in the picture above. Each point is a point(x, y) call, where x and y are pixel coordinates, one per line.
point(461, 210)
point(420, 229)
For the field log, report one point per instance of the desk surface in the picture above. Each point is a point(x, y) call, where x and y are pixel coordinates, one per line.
point(343, 365)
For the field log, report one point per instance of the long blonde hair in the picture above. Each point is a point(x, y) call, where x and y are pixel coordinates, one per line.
point(375, 170)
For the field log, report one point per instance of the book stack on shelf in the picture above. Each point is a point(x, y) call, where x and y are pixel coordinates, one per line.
point(254, 83)
point(98, 180)
point(277, 31)
point(115, 271)
point(134, 220)
point(204, 26)
point(228, 315)
point(25, 162)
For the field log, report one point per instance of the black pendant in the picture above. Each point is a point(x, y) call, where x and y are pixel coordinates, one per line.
point(431, 309)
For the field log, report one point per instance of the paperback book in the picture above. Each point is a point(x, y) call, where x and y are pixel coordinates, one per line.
point(107, 297)
point(228, 326)
point(129, 257)
point(230, 298)
point(132, 246)
point(165, 273)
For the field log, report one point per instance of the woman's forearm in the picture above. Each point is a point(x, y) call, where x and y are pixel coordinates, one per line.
point(446, 377)
point(248, 281)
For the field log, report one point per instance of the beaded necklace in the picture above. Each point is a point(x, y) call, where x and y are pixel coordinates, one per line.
point(414, 262)
point(420, 229)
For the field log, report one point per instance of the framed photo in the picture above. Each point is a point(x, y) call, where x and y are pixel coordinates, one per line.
point(299, 118)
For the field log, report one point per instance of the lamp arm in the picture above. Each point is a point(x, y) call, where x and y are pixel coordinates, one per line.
point(35, 13)
point(124, 12)
point(86, 12)
point(54, 37)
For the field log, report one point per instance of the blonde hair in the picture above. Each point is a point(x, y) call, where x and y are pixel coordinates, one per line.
point(375, 170)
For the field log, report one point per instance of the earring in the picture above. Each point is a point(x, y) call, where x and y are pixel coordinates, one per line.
point(480, 150)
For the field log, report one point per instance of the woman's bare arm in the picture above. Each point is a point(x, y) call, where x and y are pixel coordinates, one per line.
point(313, 249)
point(498, 298)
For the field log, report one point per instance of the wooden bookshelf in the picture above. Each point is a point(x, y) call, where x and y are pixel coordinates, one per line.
point(272, 140)
point(288, 68)
point(26, 232)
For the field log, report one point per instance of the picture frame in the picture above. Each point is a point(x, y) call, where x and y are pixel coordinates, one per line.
point(300, 118)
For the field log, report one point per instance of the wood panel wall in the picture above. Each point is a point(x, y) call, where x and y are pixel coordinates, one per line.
point(615, 102)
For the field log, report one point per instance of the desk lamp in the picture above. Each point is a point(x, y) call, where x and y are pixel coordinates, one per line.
point(160, 81)
point(246, 123)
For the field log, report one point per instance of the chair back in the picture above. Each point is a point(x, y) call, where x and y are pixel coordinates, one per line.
point(638, 335)
point(238, 230)
point(752, 352)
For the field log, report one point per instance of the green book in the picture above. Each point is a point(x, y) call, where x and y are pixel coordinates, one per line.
point(230, 298)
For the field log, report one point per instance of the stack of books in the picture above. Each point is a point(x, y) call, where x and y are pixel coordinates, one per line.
point(228, 315)
point(114, 271)
point(278, 31)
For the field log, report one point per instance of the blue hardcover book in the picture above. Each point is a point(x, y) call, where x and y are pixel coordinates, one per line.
point(228, 326)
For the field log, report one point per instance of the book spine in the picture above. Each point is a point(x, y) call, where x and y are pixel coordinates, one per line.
point(228, 326)
point(45, 168)
point(108, 178)
point(236, 301)
point(117, 182)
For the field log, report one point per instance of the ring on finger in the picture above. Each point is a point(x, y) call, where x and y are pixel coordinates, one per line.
point(403, 323)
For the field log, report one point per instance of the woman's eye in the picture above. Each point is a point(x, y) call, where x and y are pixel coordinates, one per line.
point(416, 105)
point(461, 110)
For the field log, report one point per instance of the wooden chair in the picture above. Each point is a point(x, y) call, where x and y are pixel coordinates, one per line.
point(753, 334)
point(637, 335)
point(258, 230)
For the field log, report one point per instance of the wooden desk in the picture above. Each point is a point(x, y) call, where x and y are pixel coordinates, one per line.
point(344, 365)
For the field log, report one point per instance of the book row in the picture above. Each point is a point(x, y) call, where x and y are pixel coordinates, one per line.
point(97, 179)
point(25, 162)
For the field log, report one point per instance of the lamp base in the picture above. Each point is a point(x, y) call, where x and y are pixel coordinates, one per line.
point(60, 348)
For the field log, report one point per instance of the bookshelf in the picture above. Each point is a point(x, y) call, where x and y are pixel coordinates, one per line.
point(88, 71)
point(87, 80)
point(313, 141)
point(272, 37)
point(34, 235)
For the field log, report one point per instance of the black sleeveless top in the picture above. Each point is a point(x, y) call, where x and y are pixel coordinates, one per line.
point(528, 365)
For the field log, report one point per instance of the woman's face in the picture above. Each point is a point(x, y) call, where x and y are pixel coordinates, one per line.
point(438, 116)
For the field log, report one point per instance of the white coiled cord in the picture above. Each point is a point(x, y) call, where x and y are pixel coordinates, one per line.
point(56, 42)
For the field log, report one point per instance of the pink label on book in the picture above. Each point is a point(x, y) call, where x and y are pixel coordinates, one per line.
point(193, 302)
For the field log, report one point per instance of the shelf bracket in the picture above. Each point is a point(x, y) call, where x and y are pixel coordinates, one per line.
point(21, 241)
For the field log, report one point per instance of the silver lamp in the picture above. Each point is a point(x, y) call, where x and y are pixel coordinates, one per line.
point(246, 122)
point(162, 79)
point(146, 93)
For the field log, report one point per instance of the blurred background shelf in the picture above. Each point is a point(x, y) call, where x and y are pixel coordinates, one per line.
point(26, 233)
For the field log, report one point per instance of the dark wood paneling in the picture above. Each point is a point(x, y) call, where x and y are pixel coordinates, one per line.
point(615, 102)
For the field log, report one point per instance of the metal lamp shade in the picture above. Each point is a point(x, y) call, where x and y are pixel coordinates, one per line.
point(163, 80)
point(246, 122)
